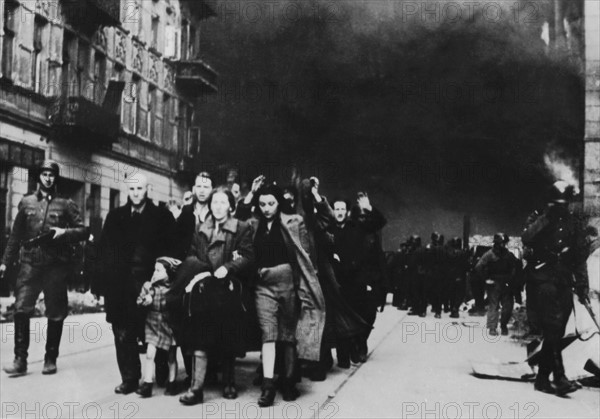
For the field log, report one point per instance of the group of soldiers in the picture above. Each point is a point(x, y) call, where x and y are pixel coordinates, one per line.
point(434, 273)
point(557, 242)
point(446, 274)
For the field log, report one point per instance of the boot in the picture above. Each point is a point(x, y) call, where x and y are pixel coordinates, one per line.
point(195, 394)
point(54, 335)
point(504, 330)
point(267, 396)
point(171, 388)
point(145, 390)
point(343, 353)
point(542, 381)
point(562, 385)
point(229, 390)
point(19, 365)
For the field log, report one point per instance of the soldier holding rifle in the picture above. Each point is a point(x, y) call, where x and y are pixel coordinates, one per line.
point(44, 229)
point(556, 262)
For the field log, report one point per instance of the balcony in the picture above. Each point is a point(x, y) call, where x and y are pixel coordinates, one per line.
point(100, 12)
point(195, 77)
point(80, 121)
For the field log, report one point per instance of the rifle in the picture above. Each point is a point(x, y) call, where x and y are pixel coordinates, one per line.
point(39, 240)
point(588, 307)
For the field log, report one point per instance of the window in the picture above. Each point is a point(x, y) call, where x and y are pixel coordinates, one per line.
point(142, 99)
point(129, 105)
point(37, 58)
point(154, 28)
point(182, 129)
point(99, 77)
point(9, 19)
point(69, 67)
point(153, 113)
point(115, 199)
point(3, 203)
point(167, 134)
point(192, 43)
point(172, 42)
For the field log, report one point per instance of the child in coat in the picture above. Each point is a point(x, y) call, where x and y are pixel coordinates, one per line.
point(159, 334)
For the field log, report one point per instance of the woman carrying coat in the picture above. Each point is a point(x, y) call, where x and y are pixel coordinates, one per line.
point(289, 302)
point(222, 250)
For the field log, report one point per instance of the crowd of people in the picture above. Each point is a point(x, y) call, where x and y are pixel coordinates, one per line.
point(447, 275)
point(281, 271)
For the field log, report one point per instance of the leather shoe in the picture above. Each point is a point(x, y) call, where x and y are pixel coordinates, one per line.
point(192, 397)
point(564, 386)
point(171, 388)
point(267, 396)
point(318, 374)
point(49, 366)
point(544, 387)
point(230, 392)
point(145, 390)
point(437, 316)
point(344, 364)
point(17, 368)
point(289, 391)
point(126, 387)
point(504, 330)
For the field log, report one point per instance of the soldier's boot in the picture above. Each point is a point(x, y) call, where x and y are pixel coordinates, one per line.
point(55, 329)
point(19, 365)
point(542, 381)
point(562, 385)
point(195, 394)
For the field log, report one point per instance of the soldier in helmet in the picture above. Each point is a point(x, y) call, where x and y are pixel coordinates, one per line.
point(556, 263)
point(498, 267)
point(435, 264)
point(44, 263)
point(458, 265)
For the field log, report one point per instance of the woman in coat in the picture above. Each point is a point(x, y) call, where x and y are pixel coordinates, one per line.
point(289, 300)
point(221, 249)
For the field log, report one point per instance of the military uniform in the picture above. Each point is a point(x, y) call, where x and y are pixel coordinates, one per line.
point(44, 267)
point(556, 262)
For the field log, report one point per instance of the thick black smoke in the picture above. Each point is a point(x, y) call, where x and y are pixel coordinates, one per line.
point(435, 118)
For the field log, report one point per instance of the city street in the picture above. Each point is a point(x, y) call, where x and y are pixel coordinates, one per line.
point(417, 368)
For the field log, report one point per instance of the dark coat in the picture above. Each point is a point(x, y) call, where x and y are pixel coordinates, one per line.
point(309, 332)
point(556, 261)
point(218, 251)
point(223, 331)
point(126, 258)
point(341, 321)
point(185, 229)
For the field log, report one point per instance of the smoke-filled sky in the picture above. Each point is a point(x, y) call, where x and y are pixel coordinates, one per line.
point(436, 108)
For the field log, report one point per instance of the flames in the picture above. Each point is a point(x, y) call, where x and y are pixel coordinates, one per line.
point(561, 170)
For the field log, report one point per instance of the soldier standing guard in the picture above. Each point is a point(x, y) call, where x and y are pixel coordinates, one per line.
point(44, 228)
point(557, 263)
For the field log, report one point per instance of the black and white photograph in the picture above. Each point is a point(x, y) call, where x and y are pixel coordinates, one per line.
point(319, 209)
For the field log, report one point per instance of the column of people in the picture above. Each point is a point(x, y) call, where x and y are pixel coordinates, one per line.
point(279, 271)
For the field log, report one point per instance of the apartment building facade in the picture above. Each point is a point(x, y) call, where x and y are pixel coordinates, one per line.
point(107, 88)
